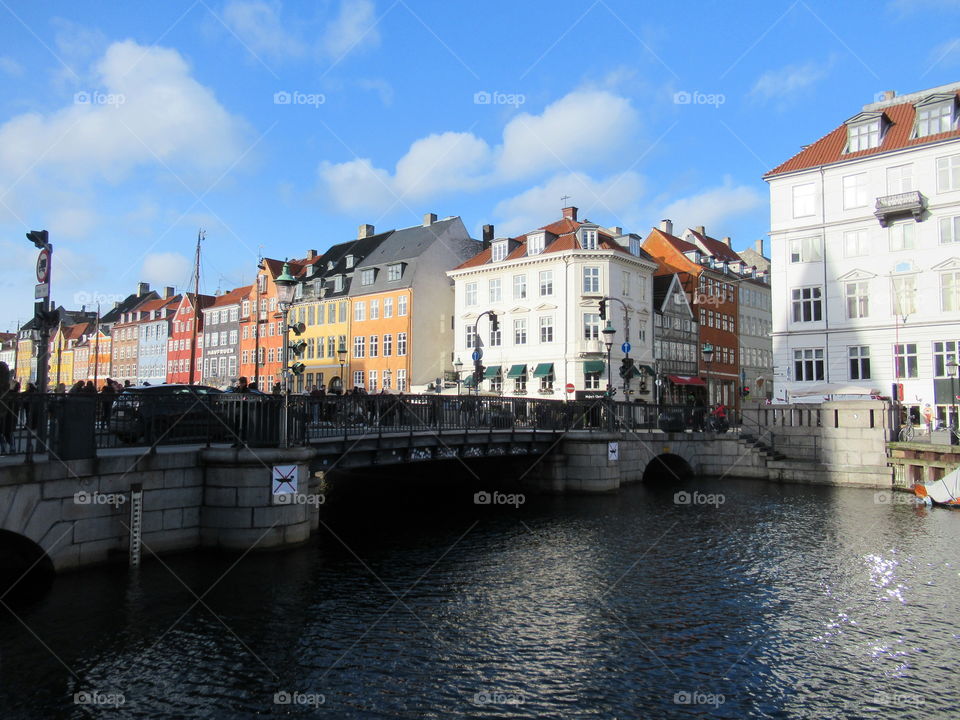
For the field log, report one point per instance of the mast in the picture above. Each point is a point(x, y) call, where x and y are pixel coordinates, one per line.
point(194, 355)
point(96, 349)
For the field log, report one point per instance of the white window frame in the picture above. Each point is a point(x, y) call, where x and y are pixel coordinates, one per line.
point(949, 229)
point(498, 251)
point(810, 364)
point(804, 200)
point(854, 191)
point(863, 136)
point(899, 179)
point(857, 294)
point(494, 290)
point(856, 243)
point(520, 287)
point(546, 329)
point(806, 249)
point(935, 118)
point(948, 173)
point(520, 331)
point(902, 236)
point(546, 283)
point(470, 294)
point(536, 242)
point(591, 279)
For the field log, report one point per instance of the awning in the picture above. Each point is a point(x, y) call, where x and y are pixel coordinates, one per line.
point(491, 372)
point(517, 371)
point(646, 368)
point(833, 389)
point(594, 366)
point(632, 373)
point(468, 382)
point(686, 380)
point(543, 370)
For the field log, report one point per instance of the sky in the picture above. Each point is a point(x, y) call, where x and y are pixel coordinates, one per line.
point(280, 126)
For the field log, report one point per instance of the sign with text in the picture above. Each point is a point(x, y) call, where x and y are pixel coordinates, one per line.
point(284, 479)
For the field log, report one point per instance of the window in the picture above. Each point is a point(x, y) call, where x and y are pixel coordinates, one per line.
point(321, 315)
point(387, 345)
point(943, 352)
point(394, 272)
point(948, 173)
point(520, 332)
point(899, 179)
point(496, 338)
point(625, 284)
point(901, 236)
point(358, 378)
point(591, 326)
point(374, 345)
point(270, 354)
point(591, 280)
point(519, 287)
point(498, 251)
point(857, 299)
point(634, 246)
point(808, 364)
point(546, 282)
point(245, 308)
point(804, 200)
point(588, 239)
point(591, 381)
point(359, 345)
point(273, 304)
point(331, 346)
point(373, 381)
point(470, 336)
point(935, 119)
point(535, 243)
point(343, 312)
point(331, 313)
point(905, 295)
point(493, 290)
point(863, 136)
point(233, 337)
point(950, 229)
point(401, 346)
point(854, 191)
point(950, 291)
point(905, 360)
point(338, 283)
point(859, 362)
point(546, 383)
point(367, 276)
point(359, 311)
point(546, 329)
point(855, 243)
point(496, 384)
point(388, 307)
point(807, 304)
point(803, 250)
point(374, 309)
point(402, 379)
point(402, 306)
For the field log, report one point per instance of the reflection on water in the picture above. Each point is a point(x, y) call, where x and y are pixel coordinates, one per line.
point(781, 602)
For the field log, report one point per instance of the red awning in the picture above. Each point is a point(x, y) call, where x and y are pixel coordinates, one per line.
point(686, 380)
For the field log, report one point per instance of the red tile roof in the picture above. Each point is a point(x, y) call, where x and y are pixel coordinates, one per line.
point(717, 248)
point(232, 297)
point(829, 148)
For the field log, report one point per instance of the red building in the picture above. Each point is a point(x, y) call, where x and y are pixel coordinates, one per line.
point(184, 345)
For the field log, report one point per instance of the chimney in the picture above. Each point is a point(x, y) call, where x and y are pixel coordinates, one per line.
point(570, 212)
point(487, 234)
point(667, 226)
point(616, 230)
point(700, 229)
point(429, 219)
point(889, 94)
point(365, 231)
point(726, 241)
point(759, 247)
point(167, 293)
point(142, 289)
point(311, 254)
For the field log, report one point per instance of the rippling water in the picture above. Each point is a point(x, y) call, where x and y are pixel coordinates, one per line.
point(781, 602)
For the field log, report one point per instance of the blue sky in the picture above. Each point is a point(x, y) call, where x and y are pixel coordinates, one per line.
point(125, 127)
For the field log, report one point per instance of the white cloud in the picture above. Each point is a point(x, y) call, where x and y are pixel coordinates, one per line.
point(258, 26)
point(380, 86)
point(711, 207)
point(9, 66)
point(354, 27)
point(610, 201)
point(789, 83)
point(145, 109)
point(583, 129)
point(162, 269)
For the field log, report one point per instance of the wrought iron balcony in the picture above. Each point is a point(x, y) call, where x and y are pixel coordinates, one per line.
point(905, 203)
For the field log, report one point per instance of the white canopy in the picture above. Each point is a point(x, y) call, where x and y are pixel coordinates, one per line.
point(833, 389)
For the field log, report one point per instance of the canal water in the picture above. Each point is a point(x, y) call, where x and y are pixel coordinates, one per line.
point(738, 599)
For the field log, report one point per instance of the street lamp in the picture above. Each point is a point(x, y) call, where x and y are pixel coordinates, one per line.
point(457, 367)
point(952, 372)
point(342, 357)
point(608, 333)
point(286, 287)
point(707, 351)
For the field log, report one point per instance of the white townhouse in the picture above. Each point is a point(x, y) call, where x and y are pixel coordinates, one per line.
point(545, 287)
point(865, 232)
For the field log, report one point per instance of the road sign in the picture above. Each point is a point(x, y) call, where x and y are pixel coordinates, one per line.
point(625, 347)
point(284, 479)
point(477, 355)
point(570, 388)
point(41, 291)
point(43, 266)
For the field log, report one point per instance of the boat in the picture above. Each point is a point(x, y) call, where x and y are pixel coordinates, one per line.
point(945, 491)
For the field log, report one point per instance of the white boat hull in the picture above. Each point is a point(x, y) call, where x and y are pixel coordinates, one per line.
point(945, 491)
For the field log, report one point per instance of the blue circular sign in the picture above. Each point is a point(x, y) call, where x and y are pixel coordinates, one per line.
point(477, 354)
point(625, 347)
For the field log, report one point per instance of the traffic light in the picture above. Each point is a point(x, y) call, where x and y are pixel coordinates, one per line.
point(298, 328)
point(745, 391)
point(478, 371)
point(297, 368)
point(603, 309)
point(40, 238)
point(494, 323)
point(298, 347)
point(626, 368)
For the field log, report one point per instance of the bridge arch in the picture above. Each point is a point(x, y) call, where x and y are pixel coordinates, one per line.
point(26, 571)
point(667, 468)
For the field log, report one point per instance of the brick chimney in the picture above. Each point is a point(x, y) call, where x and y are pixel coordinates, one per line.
point(889, 94)
point(726, 241)
point(759, 247)
point(570, 212)
point(311, 254)
point(487, 236)
point(365, 231)
point(667, 226)
point(429, 219)
point(616, 230)
point(142, 289)
point(700, 229)
point(167, 293)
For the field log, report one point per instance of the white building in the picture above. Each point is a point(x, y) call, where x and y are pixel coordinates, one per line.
point(545, 289)
point(865, 231)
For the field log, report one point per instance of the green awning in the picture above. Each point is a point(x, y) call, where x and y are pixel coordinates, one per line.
point(543, 369)
point(517, 371)
point(646, 368)
point(491, 372)
point(468, 382)
point(632, 373)
point(594, 366)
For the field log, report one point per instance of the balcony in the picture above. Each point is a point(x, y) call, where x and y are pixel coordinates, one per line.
point(905, 203)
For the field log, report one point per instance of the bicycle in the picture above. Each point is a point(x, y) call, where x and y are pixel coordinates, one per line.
point(906, 433)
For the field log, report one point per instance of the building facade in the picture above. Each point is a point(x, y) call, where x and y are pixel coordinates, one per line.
point(184, 362)
point(153, 331)
point(865, 247)
point(676, 342)
point(220, 342)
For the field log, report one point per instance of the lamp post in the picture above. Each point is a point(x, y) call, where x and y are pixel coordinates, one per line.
point(707, 351)
point(457, 367)
point(286, 287)
point(608, 333)
point(342, 357)
point(952, 372)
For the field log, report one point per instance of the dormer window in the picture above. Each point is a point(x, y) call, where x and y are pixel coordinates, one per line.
point(936, 116)
point(535, 243)
point(588, 239)
point(349, 261)
point(338, 283)
point(329, 265)
point(498, 251)
point(863, 136)
point(635, 246)
point(368, 276)
point(394, 272)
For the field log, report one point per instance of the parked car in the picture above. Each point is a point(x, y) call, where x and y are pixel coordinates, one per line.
point(158, 413)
